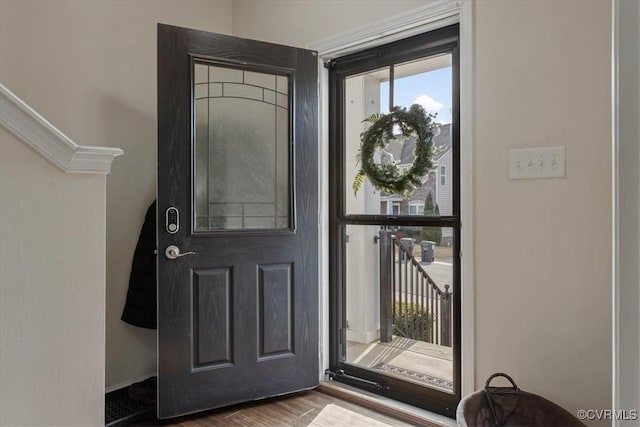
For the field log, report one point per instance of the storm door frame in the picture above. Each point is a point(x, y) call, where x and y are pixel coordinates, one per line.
point(441, 41)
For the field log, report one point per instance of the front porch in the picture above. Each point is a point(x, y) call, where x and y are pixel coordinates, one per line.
point(407, 300)
point(418, 361)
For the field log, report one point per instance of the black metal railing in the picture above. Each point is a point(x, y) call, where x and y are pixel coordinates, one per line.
point(412, 305)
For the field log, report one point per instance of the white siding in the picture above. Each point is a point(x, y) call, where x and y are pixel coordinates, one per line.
point(444, 193)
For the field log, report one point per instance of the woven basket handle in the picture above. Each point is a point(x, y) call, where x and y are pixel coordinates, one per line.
point(500, 374)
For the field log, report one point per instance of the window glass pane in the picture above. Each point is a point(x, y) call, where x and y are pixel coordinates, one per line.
point(401, 324)
point(427, 82)
point(241, 146)
point(416, 209)
point(362, 99)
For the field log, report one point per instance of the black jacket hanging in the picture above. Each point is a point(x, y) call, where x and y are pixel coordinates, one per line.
point(140, 308)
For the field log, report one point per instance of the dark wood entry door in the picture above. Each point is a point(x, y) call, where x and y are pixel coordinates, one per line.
point(237, 220)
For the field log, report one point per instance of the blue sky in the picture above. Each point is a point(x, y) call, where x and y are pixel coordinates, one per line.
point(432, 90)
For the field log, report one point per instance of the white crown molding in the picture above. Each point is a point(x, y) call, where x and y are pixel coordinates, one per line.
point(435, 14)
point(33, 129)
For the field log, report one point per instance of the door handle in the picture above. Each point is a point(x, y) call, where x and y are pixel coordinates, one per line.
point(173, 252)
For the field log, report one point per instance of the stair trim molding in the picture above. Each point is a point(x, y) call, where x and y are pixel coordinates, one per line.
point(38, 133)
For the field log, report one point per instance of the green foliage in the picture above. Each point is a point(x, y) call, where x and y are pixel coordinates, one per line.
point(413, 232)
point(373, 118)
point(414, 321)
point(358, 181)
point(387, 177)
point(437, 151)
point(429, 206)
point(433, 234)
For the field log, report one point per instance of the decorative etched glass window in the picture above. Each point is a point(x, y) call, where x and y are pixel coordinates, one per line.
point(241, 149)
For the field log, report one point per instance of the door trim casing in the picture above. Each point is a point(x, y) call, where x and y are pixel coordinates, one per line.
point(436, 14)
point(431, 17)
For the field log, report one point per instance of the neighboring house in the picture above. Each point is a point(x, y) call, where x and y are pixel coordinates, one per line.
point(438, 182)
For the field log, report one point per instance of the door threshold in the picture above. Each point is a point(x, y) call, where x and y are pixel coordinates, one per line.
point(393, 408)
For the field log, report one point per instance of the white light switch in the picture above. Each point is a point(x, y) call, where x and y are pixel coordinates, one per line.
point(533, 163)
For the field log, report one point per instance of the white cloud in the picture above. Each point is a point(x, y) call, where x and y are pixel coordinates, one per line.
point(429, 104)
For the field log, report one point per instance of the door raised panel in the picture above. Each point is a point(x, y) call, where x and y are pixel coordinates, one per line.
point(213, 317)
point(275, 310)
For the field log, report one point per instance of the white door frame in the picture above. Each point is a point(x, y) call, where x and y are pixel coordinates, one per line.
point(435, 15)
point(625, 98)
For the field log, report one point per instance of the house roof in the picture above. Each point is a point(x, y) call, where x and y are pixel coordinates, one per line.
point(403, 148)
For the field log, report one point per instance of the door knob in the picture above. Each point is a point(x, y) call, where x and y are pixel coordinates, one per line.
point(173, 252)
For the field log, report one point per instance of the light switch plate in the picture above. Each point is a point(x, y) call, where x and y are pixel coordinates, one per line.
point(533, 163)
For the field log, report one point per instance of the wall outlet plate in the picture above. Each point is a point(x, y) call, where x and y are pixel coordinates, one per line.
point(534, 163)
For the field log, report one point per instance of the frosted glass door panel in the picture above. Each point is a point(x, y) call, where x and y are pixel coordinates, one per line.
point(242, 149)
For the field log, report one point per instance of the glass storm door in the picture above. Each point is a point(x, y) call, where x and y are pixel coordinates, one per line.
point(237, 220)
point(395, 264)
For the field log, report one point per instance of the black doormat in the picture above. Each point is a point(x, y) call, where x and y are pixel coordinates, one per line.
point(120, 410)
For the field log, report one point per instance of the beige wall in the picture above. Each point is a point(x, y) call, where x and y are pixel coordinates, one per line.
point(542, 247)
point(299, 23)
point(90, 68)
point(542, 272)
point(52, 264)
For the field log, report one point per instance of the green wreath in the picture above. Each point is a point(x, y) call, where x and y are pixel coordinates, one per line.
point(387, 176)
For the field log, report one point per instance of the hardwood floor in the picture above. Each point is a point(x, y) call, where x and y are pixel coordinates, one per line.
point(298, 409)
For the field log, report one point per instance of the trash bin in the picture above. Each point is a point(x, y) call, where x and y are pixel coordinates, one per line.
point(408, 244)
point(426, 250)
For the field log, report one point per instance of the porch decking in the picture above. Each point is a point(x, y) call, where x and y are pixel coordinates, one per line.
point(417, 361)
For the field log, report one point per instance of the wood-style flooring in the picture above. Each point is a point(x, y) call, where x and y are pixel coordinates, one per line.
point(298, 409)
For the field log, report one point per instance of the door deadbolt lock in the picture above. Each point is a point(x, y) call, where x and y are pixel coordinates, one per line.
point(172, 220)
point(173, 252)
